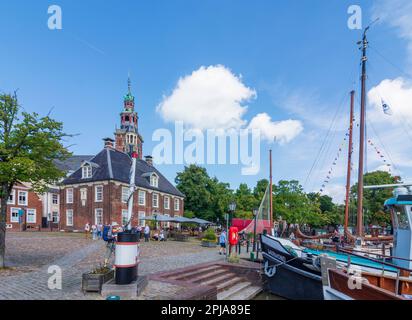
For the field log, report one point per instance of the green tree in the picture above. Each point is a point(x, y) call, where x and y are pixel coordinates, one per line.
point(260, 189)
point(29, 147)
point(374, 199)
point(295, 206)
point(245, 199)
point(206, 197)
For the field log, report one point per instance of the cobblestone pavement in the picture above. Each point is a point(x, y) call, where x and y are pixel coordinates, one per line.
point(76, 255)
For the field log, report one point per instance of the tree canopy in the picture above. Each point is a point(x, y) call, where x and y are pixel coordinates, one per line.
point(29, 147)
point(374, 199)
point(209, 198)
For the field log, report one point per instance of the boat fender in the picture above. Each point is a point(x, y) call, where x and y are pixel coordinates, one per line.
point(269, 271)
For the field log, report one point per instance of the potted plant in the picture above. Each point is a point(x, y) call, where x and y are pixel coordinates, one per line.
point(210, 239)
point(94, 280)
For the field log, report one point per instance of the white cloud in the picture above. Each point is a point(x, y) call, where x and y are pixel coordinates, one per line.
point(397, 93)
point(336, 191)
point(213, 98)
point(284, 131)
point(396, 13)
point(210, 98)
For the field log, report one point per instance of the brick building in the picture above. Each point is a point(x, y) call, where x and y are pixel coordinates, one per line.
point(24, 208)
point(98, 190)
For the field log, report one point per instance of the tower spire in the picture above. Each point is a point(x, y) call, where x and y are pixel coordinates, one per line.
point(129, 83)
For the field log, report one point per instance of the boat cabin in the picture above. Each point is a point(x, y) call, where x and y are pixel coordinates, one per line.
point(400, 207)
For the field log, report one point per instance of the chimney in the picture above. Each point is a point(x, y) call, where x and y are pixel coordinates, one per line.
point(149, 160)
point(108, 143)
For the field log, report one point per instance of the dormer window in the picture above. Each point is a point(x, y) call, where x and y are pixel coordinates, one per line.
point(154, 180)
point(87, 171)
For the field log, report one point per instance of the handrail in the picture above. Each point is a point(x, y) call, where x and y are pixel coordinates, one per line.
point(384, 256)
point(375, 260)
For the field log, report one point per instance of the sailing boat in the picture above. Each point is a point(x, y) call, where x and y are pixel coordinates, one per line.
point(294, 272)
point(338, 284)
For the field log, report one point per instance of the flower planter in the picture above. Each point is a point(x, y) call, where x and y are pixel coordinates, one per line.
point(94, 282)
point(209, 244)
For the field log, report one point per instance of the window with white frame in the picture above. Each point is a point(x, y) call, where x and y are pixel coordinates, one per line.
point(83, 194)
point(22, 200)
point(87, 171)
point(167, 203)
point(154, 180)
point(125, 219)
point(69, 218)
point(12, 197)
point(155, 200)
point(69, 195)
point(142, 215)
point(55, 217)
point(125, 194)
point(98, 216)
point(142, 198)
point(55, 198)
point(177, 204)
point(98, 195)
point(167, 224)
point(14, 215)
point(31, 216)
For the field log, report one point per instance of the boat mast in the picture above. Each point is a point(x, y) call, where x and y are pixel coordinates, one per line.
point(364, 43)
point(348, 176)
point(270, 190)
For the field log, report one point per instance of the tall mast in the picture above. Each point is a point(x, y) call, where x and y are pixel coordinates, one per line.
point(348, 176)
point(271, 190)
point(362, 135)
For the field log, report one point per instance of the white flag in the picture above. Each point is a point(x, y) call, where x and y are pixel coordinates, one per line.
point(386, 108)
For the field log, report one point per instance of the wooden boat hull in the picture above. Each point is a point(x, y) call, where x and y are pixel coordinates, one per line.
point(339, 288)
point(289, 276)
point(292, 283)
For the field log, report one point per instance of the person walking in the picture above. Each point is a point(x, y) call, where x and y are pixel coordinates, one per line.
point(87, 230)
point(99, 231)
point(222, 242)
point(146, 233)
point(139, 232)
point(94, 232)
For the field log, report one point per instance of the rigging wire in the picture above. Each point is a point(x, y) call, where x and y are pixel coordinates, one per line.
point(406, 127)
point(325, 147)
point(390, 62)
point(383, 146)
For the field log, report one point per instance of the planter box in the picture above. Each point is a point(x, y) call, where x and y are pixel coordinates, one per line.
point(94, 282)
point(209, 244)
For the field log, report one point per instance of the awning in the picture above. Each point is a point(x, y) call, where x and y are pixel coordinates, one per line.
point(164, 218)
point(181, 220)
point(158, 218)
point(200, 221)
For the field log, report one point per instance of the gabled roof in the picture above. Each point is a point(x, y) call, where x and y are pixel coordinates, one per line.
point(115, 165)
point(72, 164)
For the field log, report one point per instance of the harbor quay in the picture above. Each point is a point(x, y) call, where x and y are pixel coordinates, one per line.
point(30, 257)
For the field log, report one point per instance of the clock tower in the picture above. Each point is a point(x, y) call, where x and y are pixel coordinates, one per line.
point(127, 137)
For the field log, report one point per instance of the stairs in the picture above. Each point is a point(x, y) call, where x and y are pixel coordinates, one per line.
point(229, 285)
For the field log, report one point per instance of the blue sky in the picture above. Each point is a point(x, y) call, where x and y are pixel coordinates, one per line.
point(299, 57)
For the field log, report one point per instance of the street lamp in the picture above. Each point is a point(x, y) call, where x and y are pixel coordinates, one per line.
point(232, 209)
point(255, 215)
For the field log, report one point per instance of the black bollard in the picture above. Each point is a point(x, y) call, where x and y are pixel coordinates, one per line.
point(126, 258)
